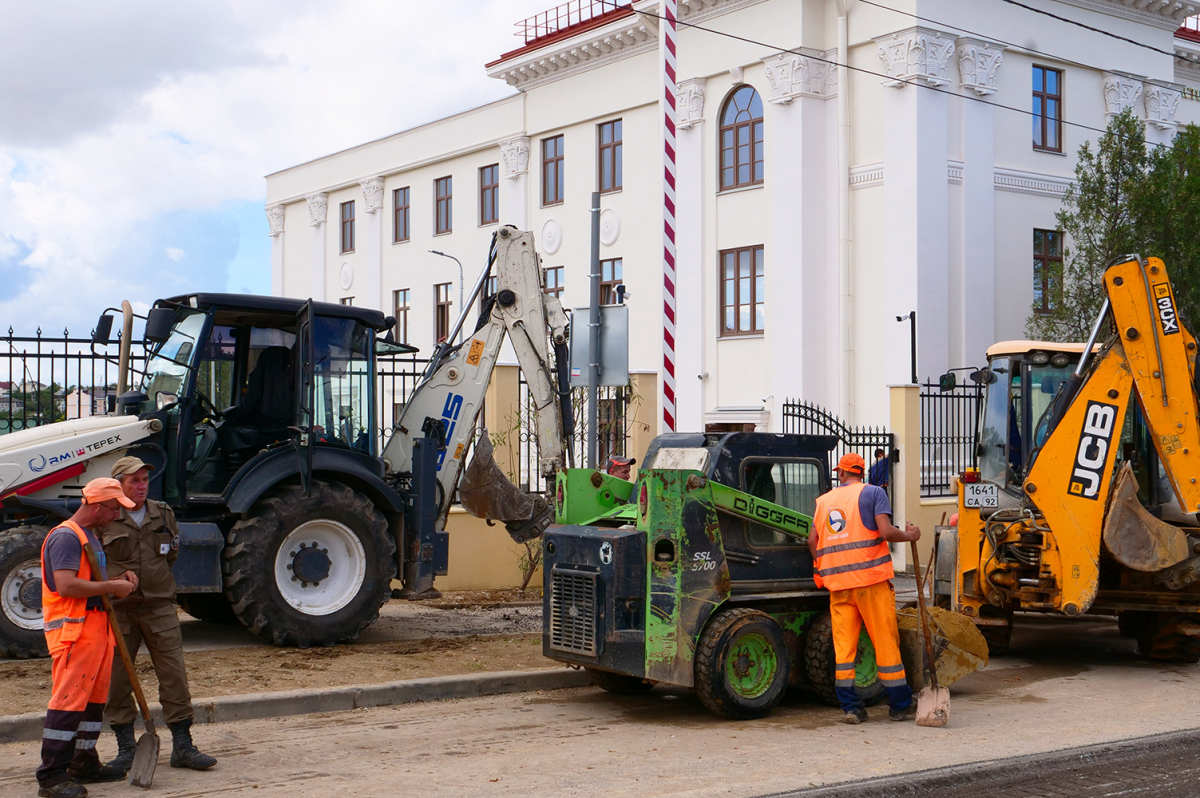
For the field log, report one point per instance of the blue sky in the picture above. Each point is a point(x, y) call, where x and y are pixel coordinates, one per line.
point(132, 161)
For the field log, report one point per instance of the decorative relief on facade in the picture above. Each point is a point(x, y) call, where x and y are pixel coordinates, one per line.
point(916, 54)
point(954, 171)
point(275, 216)
point(831, 73)
point(689, 102)
point(1041, 185)
point(866, 176)
point(978, 62)
point(610, 227)
point(793, 75)
point(1162, 101)
point(318, 206)
point(346, 276)
point(372, 189)
point(515, 155)
point(552, 236)
point(1120, 92)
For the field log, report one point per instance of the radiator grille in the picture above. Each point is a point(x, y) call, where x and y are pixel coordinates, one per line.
point(573, 611)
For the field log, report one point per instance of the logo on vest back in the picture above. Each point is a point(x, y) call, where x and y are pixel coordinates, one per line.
point(837, 522)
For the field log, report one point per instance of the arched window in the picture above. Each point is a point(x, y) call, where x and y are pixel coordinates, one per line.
point(742, 139)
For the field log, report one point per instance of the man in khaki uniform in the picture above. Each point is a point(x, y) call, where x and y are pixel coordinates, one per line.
point(145, 540)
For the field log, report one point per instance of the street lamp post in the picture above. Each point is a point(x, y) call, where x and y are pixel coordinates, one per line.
point(460, 279)
point(911, 317)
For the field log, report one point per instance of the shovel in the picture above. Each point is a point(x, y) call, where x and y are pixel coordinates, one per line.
point(145, 756)
point(933, 702)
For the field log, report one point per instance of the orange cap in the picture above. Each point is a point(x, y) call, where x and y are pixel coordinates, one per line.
point(103, 489)
point(852, 463)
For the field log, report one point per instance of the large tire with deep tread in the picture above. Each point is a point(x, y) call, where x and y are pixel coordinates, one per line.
point(21, 634)
point(820, 665)
point(209, 607)
point(747, 641)
point(1162, 636)
point(619, 683)
point(291, 612)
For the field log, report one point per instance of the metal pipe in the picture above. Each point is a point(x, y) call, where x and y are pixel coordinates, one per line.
point(1087, 350)
point(594, 334)
point(845, 281)
point(126, 343)
point(469, 302)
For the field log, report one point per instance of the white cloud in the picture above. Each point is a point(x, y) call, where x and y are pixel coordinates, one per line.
point(136, 131)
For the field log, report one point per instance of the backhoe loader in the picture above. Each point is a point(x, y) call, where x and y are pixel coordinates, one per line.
point(1085, 497)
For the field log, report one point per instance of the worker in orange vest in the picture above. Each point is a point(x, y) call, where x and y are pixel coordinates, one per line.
point(80, 641)
point(851, 530)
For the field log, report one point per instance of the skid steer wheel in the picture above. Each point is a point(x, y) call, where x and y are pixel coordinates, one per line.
point(1169, 637)
point(741, 666)
point(820, 664)
point(309, 571)
point(210, 607)
point(21, 633)
point(619, 683)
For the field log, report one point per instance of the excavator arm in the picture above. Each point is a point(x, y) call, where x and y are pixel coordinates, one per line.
point(449, 397)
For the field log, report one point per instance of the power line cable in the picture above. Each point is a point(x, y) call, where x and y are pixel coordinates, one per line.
point(1085, 26)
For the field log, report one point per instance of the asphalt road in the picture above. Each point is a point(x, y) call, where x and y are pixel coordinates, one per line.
point(1066, 685)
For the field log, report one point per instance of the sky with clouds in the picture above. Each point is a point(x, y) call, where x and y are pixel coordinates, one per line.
point(135, 134)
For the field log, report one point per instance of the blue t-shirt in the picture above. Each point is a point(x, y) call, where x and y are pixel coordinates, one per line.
point(64, 553)
point(873, 501)
point(879, 472)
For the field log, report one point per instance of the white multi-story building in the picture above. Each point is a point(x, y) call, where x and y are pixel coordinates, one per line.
point(816, 203)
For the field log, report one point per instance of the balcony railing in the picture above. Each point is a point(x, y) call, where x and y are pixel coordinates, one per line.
point(1190, 29)
point(570, 15)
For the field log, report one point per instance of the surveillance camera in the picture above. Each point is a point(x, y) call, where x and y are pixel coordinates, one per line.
point(899, 318)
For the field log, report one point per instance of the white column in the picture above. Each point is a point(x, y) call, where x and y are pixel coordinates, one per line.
point(318, 206)
point(275, 220)
point(514, 189)
point(1162, 101)
point(371, 293)
point(690, 280)
point(916, 223)
point(796, 319)
point(975, 306)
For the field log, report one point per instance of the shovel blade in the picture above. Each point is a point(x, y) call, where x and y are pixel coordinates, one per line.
point(933, 706)
point(145, 760)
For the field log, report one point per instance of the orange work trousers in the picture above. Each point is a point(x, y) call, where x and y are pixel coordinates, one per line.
point(873, 606)
point(79, 673)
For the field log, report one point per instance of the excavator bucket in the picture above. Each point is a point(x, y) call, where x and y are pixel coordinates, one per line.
point(958, 646)
point(1136, 538)
point(485, 491)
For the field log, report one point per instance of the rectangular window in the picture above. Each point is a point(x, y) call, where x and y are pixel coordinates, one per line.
point(348, 226)
point(1047, 109)
point(443, 189)
point(610, 156)
point(400, 227)
point(743, 290)
point(400, 311)
point(553, 186)
point(441, 313)
point(489, 194)
point(347, 300)
point(1047, 270)
point(610, 278)
point(552, 280)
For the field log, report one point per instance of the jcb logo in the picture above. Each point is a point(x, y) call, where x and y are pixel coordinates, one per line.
point(1166, 309)
point(1099, 422)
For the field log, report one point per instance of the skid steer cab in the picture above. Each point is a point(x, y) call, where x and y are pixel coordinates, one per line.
point(258, 415)
point(698, 574)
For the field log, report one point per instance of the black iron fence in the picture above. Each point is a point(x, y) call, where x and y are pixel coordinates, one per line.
point(948, 433)
point(805, 418)
point(397, 376)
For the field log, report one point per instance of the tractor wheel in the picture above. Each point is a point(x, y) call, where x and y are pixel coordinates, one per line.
point(1128, 622)
point(209, 607)
point(309, 571)
point(619, 683)
point(741, 666)
point(998, 638)
point(21, 633)
point(820, 664)
point(1169, 637)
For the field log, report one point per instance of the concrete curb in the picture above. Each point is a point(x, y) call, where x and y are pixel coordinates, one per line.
point(15, 728)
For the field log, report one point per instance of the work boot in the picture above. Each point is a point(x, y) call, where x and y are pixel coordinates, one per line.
point(126, 745)
point(184, 753)
point(856, 717)
point(67, 788)
point(91, 771)
point(908, 713)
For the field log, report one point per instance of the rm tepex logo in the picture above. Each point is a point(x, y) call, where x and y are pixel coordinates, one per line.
point(1099, 422)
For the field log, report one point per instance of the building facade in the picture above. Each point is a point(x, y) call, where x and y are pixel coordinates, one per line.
point(840, 165)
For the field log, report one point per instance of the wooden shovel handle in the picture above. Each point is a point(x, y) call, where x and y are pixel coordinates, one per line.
point(924, 617)
point(120, 638)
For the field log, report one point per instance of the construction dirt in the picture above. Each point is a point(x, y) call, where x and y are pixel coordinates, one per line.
point(462, 633)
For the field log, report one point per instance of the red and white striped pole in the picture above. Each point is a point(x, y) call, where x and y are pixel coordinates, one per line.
point(668, 36)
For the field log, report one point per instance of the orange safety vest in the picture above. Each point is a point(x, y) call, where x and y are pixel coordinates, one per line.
point(848, 554)
point(63, 617)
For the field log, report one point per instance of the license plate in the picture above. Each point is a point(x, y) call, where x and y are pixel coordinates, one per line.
point(981, 495)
